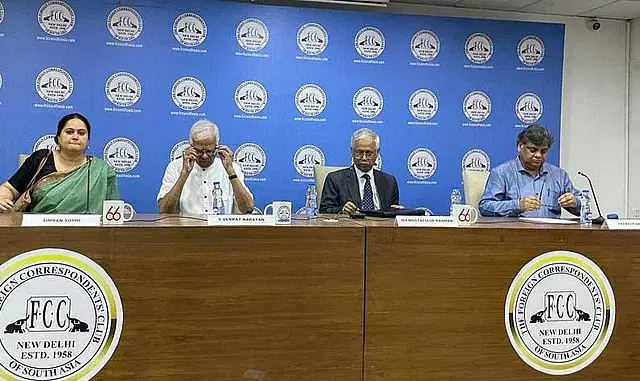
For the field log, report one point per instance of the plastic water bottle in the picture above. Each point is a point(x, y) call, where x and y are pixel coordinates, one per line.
point(217, 200)
point(311, 204)
point(585, 208)
point(456, 199)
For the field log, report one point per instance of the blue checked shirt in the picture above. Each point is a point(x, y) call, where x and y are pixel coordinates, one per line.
point(509, 182)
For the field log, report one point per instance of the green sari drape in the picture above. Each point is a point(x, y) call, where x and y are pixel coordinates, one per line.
point(66, 192)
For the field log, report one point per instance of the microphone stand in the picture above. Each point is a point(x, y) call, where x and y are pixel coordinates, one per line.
point(600, 220)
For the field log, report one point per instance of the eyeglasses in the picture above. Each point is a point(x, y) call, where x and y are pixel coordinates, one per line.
point(203, 151)
point(362, 154)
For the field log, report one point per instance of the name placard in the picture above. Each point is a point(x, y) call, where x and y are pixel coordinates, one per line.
point(241, 220)
point(61, 220)
point(426, 221)
point(623, 224)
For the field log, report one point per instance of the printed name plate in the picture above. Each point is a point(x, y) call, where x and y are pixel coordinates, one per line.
point(426, 221)
point(623, 224)
point(241, 220)
point(61, 220)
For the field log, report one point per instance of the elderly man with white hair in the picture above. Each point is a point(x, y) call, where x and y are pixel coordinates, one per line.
point(187, 185)
point(360, 187)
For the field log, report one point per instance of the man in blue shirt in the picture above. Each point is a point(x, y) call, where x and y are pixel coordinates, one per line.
point(527, 186)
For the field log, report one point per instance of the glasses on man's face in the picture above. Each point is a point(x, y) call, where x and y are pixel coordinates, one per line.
point(363, 154)
point(204, 151)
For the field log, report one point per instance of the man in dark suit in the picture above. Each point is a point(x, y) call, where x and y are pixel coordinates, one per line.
point(360, 187)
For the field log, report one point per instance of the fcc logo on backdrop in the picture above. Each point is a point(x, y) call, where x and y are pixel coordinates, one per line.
point(45, 142)
point(310, 100)
point(422, 163)
point(368, 102)
point(251, 158)
point(252, 35)
point(1, 13)
point(306, 157)
point(529, 108)
point(54, 85)
point(124, 24)
point(477, 106)
point(423, 104)
point(312, 39)
point(122, 154)
point(123, 89)
point(188, 93)
point(425, 45)
point(251, 97)
point(178, 149)
point(55, 17)
point(476, 160)
point(190, 29)
point(531, 50)
point(479, 48)
point(369, 42)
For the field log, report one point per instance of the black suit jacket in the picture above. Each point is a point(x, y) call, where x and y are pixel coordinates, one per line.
point(342, 186)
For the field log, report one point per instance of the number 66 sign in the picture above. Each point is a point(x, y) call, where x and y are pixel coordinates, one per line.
point(115, 212)
point(464, 214)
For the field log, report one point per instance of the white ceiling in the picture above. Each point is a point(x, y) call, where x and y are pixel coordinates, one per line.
point(615, 9)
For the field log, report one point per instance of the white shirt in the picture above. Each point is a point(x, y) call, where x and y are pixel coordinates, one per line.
point(196, 197)
point(362, 181)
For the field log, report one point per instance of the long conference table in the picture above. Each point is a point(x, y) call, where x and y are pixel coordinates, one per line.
point(351, 300)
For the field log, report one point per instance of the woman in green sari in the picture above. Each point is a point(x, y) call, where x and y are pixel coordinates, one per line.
point(63, 180)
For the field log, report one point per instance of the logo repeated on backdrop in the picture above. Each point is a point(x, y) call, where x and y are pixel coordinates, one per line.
point(122, 154)
point(425, 45)
point(45, 142)
point(310, 100)
point(477, 106)
point(251, 97)
point(306, 157)
point(252, 35)
point(479, 48)
point(368, 102)
point(531, 51)
point(369, 42)
point(560, 312)
point(251, 158)
point(61, 316)
point(1, 12)
point(190, 29)
point(529, 108)
point(178, 149)
point(312, 39)
point(124, 24)
point(188, 93)
point(423, 104)
point(422, 163)
point(123, 89)
point(476, 160)
point(54, 85)
point(56, 18)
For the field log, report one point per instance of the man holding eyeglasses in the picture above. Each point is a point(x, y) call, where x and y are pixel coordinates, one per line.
point(360, 187)
point(527, 186)
point(187, 185)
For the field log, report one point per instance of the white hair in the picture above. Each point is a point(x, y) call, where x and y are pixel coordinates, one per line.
point(365, 133)
point(204, 129)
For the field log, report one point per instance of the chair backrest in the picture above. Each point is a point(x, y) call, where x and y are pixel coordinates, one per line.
point(21, 158)
point(474, 182)
point(320, 173)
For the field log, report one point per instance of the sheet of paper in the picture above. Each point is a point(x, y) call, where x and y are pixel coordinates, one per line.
point(541, 220)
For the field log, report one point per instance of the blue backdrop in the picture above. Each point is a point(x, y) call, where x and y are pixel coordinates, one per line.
point(287, 87)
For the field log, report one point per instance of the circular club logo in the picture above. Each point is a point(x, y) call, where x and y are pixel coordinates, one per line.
point(55, 17)
point(45, 142)
point(479, 48)
point(1, 13)
point(312, 39)
point(531, 50)
point(477, 106)
point(54, 85)
point(425, 45)
point(367, 102)
point(123, 89)
point(122, 154)
point(306, 157)
point(476, 160)
point(423, 104)
point(190, 29)
point(560, 312)
point(283, 213)
point(188, 93)
point(251, 97)
point(310, 100)
point(422, 163)
point(369, 42)
point(252, 35)
point(62, 316)
point(178, 149)
point(124, 24)
point(251, 158)
point(529, 108)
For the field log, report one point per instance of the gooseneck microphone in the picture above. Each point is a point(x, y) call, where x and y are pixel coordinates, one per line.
point(600, 219)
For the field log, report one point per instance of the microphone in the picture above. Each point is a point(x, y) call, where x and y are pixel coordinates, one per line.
point(600, 219)
point(86, 211)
